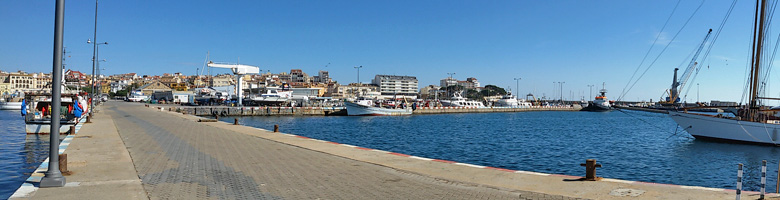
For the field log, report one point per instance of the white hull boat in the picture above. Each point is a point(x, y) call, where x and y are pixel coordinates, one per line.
point(726, 129)
point(354, 109)
point(10, 105)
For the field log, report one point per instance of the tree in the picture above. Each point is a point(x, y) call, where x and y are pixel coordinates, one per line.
point(473, 94)
point(492, 90)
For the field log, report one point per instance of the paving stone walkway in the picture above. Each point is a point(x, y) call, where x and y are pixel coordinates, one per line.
point(178, 158)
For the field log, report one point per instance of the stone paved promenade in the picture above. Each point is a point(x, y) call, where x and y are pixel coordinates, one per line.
point(177, 157)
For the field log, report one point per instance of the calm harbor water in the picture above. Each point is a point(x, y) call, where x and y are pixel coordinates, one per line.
point(20, 154)
point(631, 145)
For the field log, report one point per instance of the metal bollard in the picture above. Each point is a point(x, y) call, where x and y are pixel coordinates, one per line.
point(763, 178)
point(739, 181)
point(235, 121)
point(276, 128)
point(89, 119)
point(590, 170)
point(216, 116)
point(72, 130)
point(63, 163)
point(170, 109)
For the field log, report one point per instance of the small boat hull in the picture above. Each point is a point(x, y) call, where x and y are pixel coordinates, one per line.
point(10, 105)
point(44, 127)
point(596, 108)
point(354, 109)
point(724, 129)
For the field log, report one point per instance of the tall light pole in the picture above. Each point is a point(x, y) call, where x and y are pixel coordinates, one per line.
point(590, 96)
point(561, 83)
point(517, 87)
point(53, 177)
point(94, 60)
point(358, 73)
point(448, 83)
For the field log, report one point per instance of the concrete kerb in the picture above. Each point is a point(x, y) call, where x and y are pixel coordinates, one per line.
point(408, 163)
point(31, 184)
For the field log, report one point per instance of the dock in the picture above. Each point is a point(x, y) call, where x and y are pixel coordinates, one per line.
point(135, 152)
point(339, 111)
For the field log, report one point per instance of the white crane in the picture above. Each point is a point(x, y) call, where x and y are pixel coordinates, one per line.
point(239, 71)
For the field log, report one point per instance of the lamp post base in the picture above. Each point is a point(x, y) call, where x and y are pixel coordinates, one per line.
point(52, 181)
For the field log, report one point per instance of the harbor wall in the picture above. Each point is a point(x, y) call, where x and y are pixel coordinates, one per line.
point(261, 111)
point(443, 110)
point(327, 111)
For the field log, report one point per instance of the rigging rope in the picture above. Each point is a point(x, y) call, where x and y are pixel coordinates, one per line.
point(651, 47)
point(662, 51)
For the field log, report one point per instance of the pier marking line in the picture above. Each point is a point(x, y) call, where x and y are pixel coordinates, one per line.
point(28, 187)
point(470, 165)
point(421, 158)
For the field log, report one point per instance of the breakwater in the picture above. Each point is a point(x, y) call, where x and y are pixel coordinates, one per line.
point(341, 111)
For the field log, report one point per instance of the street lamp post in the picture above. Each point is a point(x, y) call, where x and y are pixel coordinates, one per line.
point(590, 96)
point(517, 87)
point(53, 177)
point(561, 87)
point(95, 64)
point(358, 73)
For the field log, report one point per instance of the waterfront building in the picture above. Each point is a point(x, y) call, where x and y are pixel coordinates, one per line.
point(447, 82)
point(352, 90)
point(429, 92)
point(222, 80)
point(21, 81)
point(399, 86)
point(469, 83)
point(42, 81)
point(5, 88)
point(152, 87)
point(298, 76)
point(322, 77)
point(118, 85)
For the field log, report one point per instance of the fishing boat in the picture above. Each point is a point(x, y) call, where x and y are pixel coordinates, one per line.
point(601, 103)
point(37, 112)
point(752, 123)
point(457, 100)
point(367, 107)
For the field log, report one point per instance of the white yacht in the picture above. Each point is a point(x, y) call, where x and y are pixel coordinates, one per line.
point(272, 96)
point(367, 107)
point(510, 100)
point(457, 100)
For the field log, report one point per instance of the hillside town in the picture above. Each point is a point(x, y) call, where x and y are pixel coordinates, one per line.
point(220, 88)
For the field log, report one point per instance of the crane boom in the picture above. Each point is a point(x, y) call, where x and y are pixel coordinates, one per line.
point(679, 84)
point(237, 68)
point(239, 71)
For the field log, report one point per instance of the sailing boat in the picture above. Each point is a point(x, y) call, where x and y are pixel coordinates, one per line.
point(753, 124)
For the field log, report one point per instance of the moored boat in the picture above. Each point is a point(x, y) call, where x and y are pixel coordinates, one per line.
point(367, 107)
point(753, 123)
point(457, 100)
point(600, 104)
point(37, 113)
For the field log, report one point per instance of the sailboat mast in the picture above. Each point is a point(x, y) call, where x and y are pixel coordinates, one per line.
point(757, 48)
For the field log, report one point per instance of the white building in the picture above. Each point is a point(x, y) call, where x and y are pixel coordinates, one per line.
point(399, 86)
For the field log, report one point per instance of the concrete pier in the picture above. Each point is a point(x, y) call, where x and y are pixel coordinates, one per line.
point(326, 111)
point(175, 157)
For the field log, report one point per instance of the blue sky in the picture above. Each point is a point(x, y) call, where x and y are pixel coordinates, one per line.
point(577, 42)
